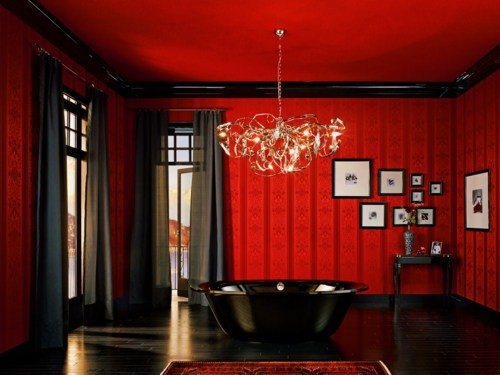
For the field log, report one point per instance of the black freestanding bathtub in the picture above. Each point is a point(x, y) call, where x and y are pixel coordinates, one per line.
point(280, 310)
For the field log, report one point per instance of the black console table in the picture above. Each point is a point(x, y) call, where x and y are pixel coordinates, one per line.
point(444, 260)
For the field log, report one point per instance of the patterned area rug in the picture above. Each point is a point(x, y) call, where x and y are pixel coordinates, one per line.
point(277, 368)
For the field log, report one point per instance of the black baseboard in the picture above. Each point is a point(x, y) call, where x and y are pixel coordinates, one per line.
point(477, 309)
point(22, 351)
point(413, 300)
point(121, 307)
point(427, 300)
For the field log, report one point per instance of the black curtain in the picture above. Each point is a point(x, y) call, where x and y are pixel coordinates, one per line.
point(150, 283)
point(206, 256)
point(51, 258)
point(98, 267)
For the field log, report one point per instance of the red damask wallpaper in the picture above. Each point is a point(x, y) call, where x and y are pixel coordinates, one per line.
point(18, 171)
point(18, 174)
point(478, 148)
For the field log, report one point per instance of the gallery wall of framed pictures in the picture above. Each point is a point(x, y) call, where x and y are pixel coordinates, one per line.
point(352, 178)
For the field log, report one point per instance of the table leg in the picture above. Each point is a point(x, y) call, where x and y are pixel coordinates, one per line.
point(397, 281)
point(445, 279)
point(450, 276)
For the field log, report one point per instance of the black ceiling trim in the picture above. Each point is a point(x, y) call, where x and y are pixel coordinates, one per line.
point(290, 90)
point(40, 19)
point(479, 71)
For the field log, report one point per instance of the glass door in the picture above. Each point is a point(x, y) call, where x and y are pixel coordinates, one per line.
point(178, 151)
point(75, 128)
point(75, 245)
point(184, 180)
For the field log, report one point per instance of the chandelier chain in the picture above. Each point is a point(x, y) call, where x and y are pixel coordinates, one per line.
point(280, 57)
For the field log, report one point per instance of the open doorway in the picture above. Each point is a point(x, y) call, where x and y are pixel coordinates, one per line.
point(180, 171)
point(184, 180)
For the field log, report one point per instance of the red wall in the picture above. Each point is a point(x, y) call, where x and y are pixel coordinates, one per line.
point(18, 174)
point(18, 184)
point(478, 147)
point(290, 227)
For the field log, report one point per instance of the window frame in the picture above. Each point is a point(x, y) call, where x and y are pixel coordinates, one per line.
point(179, 129)
point(81, 111)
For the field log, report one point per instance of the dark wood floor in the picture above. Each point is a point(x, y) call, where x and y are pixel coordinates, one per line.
point(409, 340)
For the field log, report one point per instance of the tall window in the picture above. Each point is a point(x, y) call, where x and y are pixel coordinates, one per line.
point(178, 145)
point(75, 123)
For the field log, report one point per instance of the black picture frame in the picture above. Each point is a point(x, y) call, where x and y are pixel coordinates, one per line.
point(426, 217)
point(417, 180)
point(399, 215)
point(391, 181)
point(351, 178)
point(372, 215)
point(436, 248)
point(435, 188)
point(477, 200)
point(417, 196)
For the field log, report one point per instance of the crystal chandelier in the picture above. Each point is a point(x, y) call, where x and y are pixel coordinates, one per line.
point(274, 145)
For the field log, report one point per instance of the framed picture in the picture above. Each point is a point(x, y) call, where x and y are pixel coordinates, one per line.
point(399, 215)
point(391, 181)
point(436, 247)
point(372, 215)
point(436, 188)
point(477, 200)
point(351, 178)
point(416, 179)
point(426, 216)
point(417, 196)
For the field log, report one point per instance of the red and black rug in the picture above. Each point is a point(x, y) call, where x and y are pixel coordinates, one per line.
point(277, 368)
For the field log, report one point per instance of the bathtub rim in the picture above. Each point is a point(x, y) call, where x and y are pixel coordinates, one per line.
point(209, 287)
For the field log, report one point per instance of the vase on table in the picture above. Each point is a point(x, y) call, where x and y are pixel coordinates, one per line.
point(409, 236)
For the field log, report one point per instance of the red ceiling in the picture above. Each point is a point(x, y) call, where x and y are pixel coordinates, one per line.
point(326, 40)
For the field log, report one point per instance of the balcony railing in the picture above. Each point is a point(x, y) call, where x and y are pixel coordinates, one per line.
point(184, 266)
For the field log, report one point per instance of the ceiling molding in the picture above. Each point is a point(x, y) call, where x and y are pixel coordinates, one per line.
point(33, 14)
point(41, 20)
point(479, 71)
point(290, 90)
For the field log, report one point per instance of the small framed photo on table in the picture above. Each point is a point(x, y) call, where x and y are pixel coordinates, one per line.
point(436, 247)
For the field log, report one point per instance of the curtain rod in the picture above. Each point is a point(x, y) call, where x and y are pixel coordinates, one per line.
point(181, 109)
point(195, 109)
point(40, 50)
